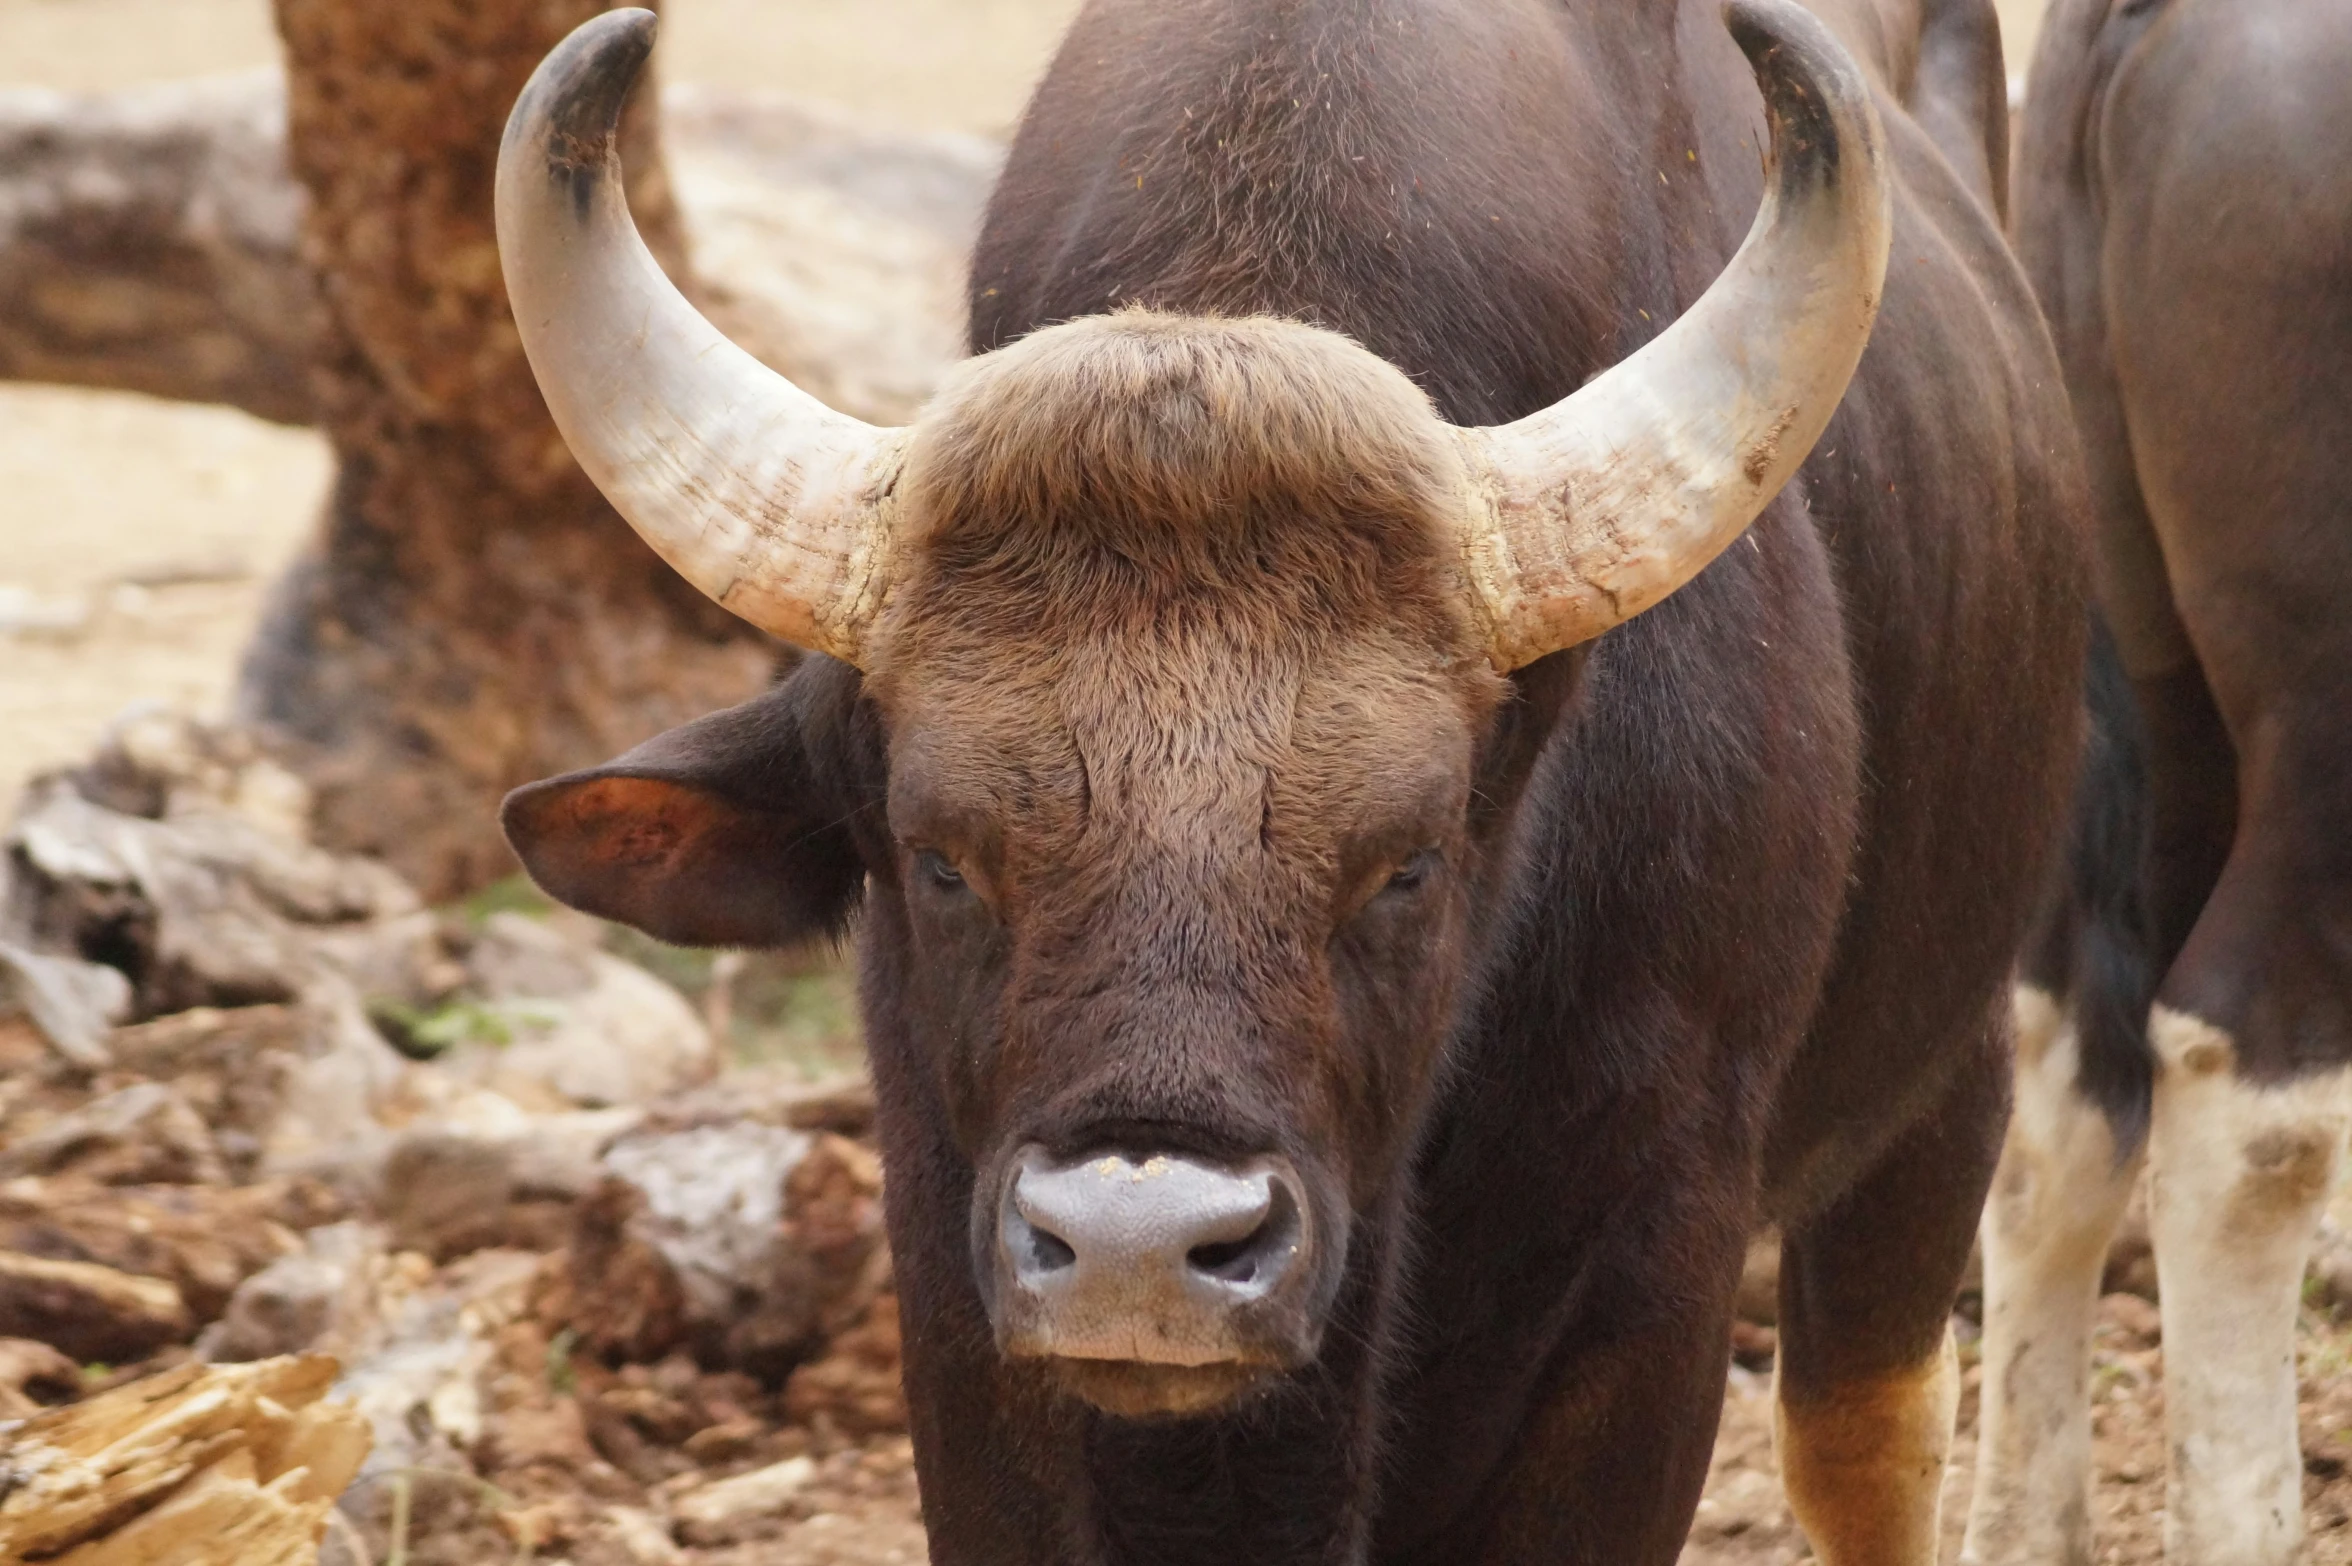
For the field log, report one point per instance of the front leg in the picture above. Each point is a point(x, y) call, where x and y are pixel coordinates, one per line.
point(1572, 1419)
point(1610, 1469)
point(1867, 1381)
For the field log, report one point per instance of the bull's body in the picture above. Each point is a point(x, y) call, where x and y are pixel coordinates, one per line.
point(1743, 878)
point(2186, 216)
point(1772, 870)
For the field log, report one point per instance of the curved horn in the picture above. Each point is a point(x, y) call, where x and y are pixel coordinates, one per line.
point(764, 498)
point(1607, 501)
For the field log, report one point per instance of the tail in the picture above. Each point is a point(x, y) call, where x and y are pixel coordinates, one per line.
point(2098, 947)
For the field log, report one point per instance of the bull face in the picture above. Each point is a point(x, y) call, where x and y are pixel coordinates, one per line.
point(1180, 953)
point(1183, 644)
point(1181, 729)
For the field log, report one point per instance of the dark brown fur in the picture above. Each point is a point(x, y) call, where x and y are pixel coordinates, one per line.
point(2183, 211)
point(1716, 913)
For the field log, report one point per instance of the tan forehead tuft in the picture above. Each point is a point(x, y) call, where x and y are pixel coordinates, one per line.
point(1156, 424)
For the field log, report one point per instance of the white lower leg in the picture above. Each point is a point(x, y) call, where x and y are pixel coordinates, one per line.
point(2238, 1177)
point(2054, 1205)
point(1864, 1467)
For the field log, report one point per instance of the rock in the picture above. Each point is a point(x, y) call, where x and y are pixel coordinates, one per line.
point(33, 1375)
point(613, 1289)
point(547, 1434)
point(723, 1442)
point(485, 1173)
point(89, 1312)
point(747, 1242)
point(642, 1538)
point(202, 1240)
point(28, 614)
point(201, 1466)
point(215, 905)
point(1753, 1347)
point(179, 853)
point(326, 1297)
point(715, 1213)
point(2136, 1322)
point(563, 1024)
point(833, 1256)
point(2131, 1255)
point(327, 1121)
point(446, 1195)
point(717, 1512)
point(420, 1388)
point(144, 1134)
point(232, 1067)
point(73, 1003)
point(773, 1096)
point(714, 1202)
point(2330, 1271)
point(519, 958)
point(856, 1386)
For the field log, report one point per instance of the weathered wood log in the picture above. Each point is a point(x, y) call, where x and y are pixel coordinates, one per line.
point(89, 1312)
point(148, 242)
point(143, 1134)
point(202, 1240)
point(201, 1466)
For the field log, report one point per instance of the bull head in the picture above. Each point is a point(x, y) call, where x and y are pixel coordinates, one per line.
point(1181, 644)
point(1569, 521)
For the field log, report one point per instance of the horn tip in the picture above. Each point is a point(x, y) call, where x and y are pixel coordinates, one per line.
point(1805, 75)
point(572, 104)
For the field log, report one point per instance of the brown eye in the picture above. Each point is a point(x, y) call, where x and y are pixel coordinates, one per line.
point(1415, 872)
point(934, 871)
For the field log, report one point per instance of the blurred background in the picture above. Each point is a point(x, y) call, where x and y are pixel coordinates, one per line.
point(137, 535)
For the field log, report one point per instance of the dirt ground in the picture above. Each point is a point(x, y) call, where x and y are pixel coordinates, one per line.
point(138, 538)
point(863, 1511)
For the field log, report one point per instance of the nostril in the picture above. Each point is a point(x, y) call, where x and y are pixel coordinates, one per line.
point(1049, 1252)
point(1259, 1257)
point(1236, 1261)
point(1035, 1250)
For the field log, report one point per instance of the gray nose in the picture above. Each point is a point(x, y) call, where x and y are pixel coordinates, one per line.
point(1146, 1259)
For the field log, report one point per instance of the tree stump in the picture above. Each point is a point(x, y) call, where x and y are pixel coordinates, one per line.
point(473, 614)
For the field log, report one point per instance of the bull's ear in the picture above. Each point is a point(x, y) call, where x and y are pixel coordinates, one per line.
point(730, 831)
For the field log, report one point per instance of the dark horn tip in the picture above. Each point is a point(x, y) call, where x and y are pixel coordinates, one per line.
point(1806, 76)
point(574, 98)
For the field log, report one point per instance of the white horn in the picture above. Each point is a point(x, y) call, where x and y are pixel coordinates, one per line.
point(764, 498)
point(1602, 504)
